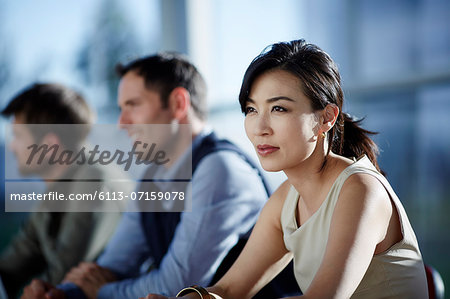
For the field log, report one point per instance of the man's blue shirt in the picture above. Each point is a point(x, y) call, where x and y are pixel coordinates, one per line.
point(227, 196)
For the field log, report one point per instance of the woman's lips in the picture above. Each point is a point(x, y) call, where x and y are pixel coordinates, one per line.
point(265, 149)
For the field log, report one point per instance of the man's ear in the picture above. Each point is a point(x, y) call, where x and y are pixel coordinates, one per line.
point(328, 117)
point(179, 102)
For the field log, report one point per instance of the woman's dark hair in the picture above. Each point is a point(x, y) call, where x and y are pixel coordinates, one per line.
point(166, 71)
point(321, 83)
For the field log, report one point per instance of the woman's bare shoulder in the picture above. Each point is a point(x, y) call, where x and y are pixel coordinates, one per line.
point(363, 185)
point(282, 191)
point(363, 192)
point(272, 209)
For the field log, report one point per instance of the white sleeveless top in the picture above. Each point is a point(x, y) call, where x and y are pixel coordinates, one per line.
point(395, 273)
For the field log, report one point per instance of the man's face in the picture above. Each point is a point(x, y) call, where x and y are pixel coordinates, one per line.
point(141, 106)
point(22, 139)
point(138, 104)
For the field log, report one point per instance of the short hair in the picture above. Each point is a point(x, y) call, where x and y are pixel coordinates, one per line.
point(163, 72)
point(49, 103)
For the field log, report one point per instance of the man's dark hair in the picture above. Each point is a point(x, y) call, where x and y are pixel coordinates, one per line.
point(50, 104)
point(164, 72)
point(47, 103)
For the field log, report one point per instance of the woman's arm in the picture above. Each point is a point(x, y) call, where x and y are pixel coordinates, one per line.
point(360, 221)
point(262, 258)
point(264, 255)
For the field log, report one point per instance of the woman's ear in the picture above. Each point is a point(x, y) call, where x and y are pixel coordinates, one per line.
point(179, 102)
point(329, 117)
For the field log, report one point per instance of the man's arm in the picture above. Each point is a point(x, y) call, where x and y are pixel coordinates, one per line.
point(71, 244)
point(127, 250)
point(22, 258)
point(227, 197)
point(124, 254)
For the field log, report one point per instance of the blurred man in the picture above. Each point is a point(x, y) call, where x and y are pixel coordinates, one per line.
point(50, 243)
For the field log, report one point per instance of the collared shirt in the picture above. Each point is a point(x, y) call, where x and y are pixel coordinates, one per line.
point(227, 196)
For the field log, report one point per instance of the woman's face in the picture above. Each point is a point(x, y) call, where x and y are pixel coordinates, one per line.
point(280, 121)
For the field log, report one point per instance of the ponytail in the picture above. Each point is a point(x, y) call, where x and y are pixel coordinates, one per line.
point(351, 140)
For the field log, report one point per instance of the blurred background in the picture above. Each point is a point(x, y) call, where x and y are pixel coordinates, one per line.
point(394, 57)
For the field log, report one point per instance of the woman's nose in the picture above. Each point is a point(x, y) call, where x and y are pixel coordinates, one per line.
point(263, 126)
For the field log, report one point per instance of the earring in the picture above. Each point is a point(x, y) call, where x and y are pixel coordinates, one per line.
point(323, 135)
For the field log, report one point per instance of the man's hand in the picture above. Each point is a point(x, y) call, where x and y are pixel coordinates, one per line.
point(90, 277)
point(39, 289)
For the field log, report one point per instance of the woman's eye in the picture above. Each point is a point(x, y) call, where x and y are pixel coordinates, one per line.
point(249, 110)
point(278, 109)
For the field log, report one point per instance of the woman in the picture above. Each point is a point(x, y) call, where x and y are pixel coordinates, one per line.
point(336, 215)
